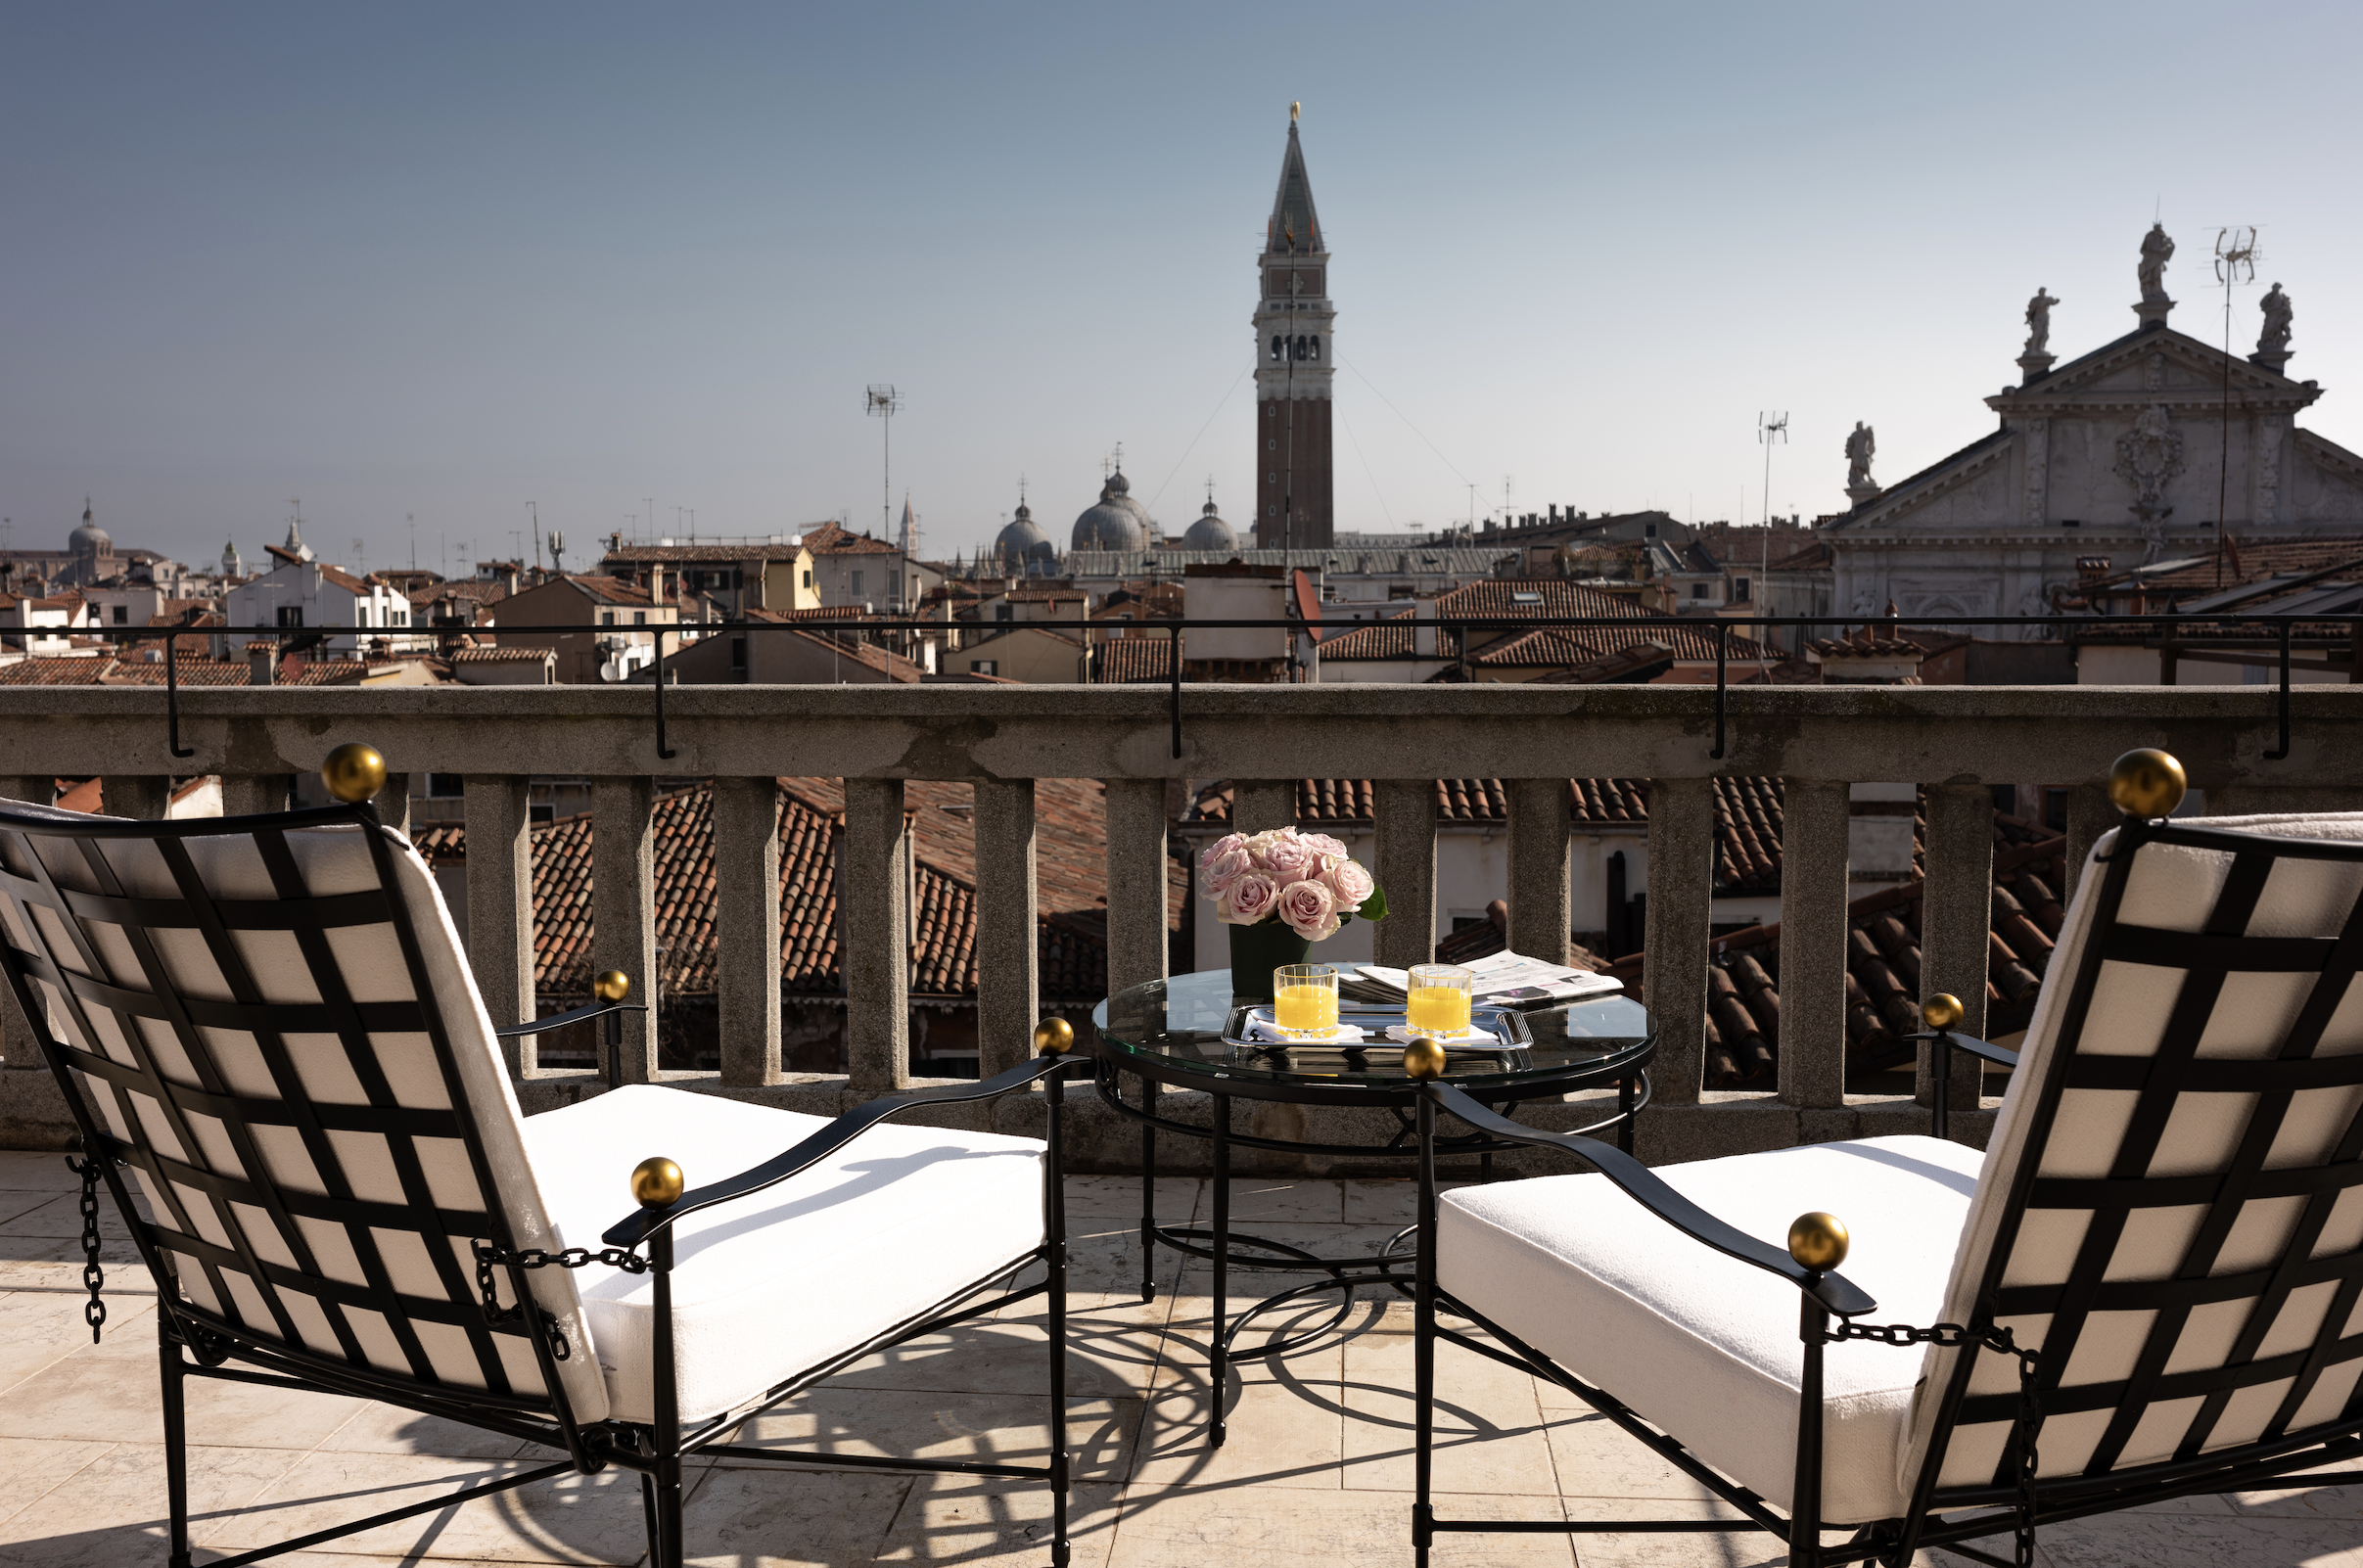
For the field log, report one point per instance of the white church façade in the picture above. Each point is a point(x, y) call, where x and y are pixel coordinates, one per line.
point(2143, 449)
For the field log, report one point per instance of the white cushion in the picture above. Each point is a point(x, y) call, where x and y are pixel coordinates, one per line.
point(773, 1285)
point(1704, 1346)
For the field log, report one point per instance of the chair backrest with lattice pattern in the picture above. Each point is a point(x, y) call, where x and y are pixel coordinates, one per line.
point(272, 1023)
point(2171, 1207)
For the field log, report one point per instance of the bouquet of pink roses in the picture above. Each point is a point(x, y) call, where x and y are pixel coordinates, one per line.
point(1305, 881)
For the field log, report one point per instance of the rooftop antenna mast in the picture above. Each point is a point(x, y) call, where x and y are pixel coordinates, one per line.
point(1771, 425)
point(2235, 256)
point(883, 403)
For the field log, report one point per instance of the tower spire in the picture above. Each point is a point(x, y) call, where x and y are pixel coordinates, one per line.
point(1294, 354)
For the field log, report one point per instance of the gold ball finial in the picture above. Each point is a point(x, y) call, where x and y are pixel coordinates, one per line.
point(354, 772)
point(656, 1182)
point(2146, 783)
point(1941, 1011)
point(1818, 1240)
point(1423, 1058)
point(1053, 1037)
point(613, 985)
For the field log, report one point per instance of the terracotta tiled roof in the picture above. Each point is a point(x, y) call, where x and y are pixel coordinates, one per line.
point(38, 671)
point(1882, 969)
point(187, 671)
point(1747, 813)
point(1070, 881)
point(346, 580)
point(1499, 599)
point(498, 656)
point(829, 540)
point(1124, 660)
point(718, 554)
point(827, 612)
point(480, 593)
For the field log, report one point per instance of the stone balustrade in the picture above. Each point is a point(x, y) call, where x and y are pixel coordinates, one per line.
point(1818, 739)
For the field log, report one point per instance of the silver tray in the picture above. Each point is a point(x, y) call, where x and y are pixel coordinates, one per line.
point(1379, 1053)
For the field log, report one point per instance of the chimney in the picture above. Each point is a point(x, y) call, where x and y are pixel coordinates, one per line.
point(1424, 628)
point(263, 659)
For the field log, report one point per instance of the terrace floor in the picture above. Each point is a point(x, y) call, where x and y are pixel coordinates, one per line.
point(1318, 1469)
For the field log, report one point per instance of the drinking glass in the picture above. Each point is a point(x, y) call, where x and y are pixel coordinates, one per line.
point(1304, 999)
point(1437, 999)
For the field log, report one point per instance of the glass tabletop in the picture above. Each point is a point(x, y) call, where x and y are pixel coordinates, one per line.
point(1176, 1026)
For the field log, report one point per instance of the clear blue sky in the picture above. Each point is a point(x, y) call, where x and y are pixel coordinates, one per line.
point(442, 260)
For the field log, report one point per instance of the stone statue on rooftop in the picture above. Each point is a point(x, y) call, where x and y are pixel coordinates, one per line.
point(1860, 446)
point(2277, 314)
point(2157, 251)
point(2038, 322)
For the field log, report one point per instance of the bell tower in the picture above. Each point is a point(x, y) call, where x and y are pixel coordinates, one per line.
point(1294, 360)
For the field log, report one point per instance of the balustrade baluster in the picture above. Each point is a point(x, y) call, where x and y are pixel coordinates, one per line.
point(1539, 917)
point(1136, 893)
point(16, 1047)
point(1682, 872)
point(143, 796)
point(256, 794)
point(500, 904)
point(1956, 925)
point(2088, 815)
point(1405, 865)
point(873, 905)
point(623, 928)
point(1008, 942)
point(1258, 805)
point(1815, 827)
point(746, 928)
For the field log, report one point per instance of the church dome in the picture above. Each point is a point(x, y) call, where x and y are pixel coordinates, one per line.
point(1210, 531)
point(1116, 521)
point(1022, 542)
point(89, 539)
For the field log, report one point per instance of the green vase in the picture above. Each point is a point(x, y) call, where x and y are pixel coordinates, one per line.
point(1257, 950)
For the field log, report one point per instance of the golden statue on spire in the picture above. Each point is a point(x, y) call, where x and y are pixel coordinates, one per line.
point(1294, 110)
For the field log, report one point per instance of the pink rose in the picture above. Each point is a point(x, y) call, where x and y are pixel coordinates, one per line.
point(1326, 847)
point(1292, 859)
point(1226, 869)
point(1220, 848)
point(1309, 911)
point(1352, 884)
point(1247, 901)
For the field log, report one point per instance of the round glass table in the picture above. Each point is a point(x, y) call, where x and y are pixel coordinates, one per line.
point(1173, 1034)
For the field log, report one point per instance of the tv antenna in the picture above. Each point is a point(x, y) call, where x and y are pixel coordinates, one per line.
point(2235, 256)
point(883, 403)
point(1772, 425)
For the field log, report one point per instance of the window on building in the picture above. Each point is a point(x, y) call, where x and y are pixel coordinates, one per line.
point(538, 815)
point(1697, 590)
point(607, 618)
point(291, 614)
point(807, 579)
point(443, 787)
point(122, 615)
point(639, 617)
point(1402, 590)
point(985, 666)
point(856, 584)
point(1739, 586)
point(738, 652)
point(1312, 348)
point(1280, 349)
point(1004, 612)
point(1649, 530)
point(360, 614)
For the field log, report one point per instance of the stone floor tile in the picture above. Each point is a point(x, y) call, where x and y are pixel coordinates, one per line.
point(962, 1519)
point(390, 1429)
point(37, 1466)
point(39, 1327)
point(36, 1171)
point(1595, 1458)
point(111, 1392)
point(2295, 1499)
point(118, 1253)
point(567, 1518)
point(2143, 1540)
point(1284, 1422)
point(1119, 1197)
point(62, 1216)
point(1265, 1199)
point(1199, 1526)
point(769, 1518)
point(112, 1511)
point(1490, 1434)
point(990, 1428)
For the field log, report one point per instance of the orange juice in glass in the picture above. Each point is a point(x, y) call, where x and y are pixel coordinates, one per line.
point(1436, 1002)
point(1304, 999)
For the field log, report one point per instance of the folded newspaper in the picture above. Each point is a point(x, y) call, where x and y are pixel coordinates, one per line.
point(1503, 979)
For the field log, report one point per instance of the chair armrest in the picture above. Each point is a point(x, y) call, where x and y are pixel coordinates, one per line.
point(1999, 1055)
point(645, 1222)
point(1645, 1187)
point(572, 1015)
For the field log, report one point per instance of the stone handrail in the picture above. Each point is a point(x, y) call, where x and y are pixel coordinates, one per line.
point(1957, 740)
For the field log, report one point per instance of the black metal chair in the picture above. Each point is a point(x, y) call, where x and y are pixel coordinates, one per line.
point(2145, 1288)
point(265, 1026)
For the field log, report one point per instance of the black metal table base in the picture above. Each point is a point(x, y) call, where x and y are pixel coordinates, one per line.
point(1392, 1267)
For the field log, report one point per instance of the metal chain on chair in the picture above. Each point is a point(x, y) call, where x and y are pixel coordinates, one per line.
point(487, 1257)
point(2024, 1430)
point(94, 1277)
